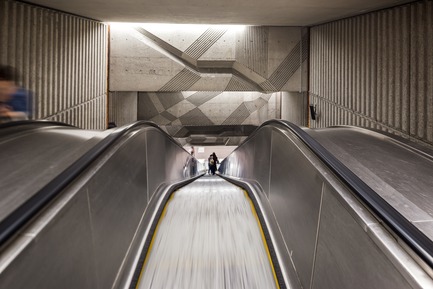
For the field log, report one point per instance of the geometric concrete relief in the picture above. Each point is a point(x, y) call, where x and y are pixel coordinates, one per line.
point(212, 58)
point(207, 108)
point(190, 79)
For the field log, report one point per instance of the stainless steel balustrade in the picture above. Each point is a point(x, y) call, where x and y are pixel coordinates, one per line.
point(85, 237)
point(92, 234)
point(330, 238)
point(34, 153)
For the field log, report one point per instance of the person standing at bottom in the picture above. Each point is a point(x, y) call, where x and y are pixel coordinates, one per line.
point(213, 161)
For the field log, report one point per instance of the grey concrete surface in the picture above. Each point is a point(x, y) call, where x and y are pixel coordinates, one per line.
point(256, 12)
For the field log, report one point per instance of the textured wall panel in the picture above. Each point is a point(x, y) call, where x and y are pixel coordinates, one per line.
point(122, 107)
point(194, 117)
point(249, 55)
point(182, 81)
point(238, 84)
point(251, 48)
point(238, 116)
point(62, 60)
point(375, 70)
point(200, 97)
point(287, 68)
point(204, 42)
point(234, 108)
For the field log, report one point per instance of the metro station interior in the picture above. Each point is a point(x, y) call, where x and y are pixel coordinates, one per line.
point(320, 115)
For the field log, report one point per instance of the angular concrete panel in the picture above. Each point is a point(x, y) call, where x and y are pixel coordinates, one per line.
point(195, 117)
point(212, 82)
point(223, 49)
point(200, 98)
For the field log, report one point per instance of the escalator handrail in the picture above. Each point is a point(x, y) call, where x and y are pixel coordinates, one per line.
point(26, 124)
point(403, 228)
point(10, 225)
point(29, 122)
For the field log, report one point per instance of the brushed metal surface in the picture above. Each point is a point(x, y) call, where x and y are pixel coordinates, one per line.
point(254, 159)
point(261, 160)
point(407, 264)
point(295, 196)
point(34, 157)
point(117, 199)
point(400, 175)
point(155, 157)
point(297, 178)
point(84, 238)
point(60, 256)
point(345, 250)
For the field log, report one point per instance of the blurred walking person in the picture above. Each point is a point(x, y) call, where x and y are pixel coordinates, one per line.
point(8, 88)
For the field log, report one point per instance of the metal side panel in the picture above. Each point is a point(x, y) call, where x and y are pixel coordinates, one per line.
point(173, 159)
point(59, 254)
point(344, 249)
point(295, 196)
point(400, 174)
point(335, 240)
point(117, 200)
point(31, 159)
point(156, 158)
point(83, 238)
point(261, 160)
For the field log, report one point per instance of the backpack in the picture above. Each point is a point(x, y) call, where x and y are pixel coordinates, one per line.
point(211, 162)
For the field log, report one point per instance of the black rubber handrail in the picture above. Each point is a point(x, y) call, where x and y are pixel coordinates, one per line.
point(32, 122)
point(12, 127)
point(19, 217)
point(403, 228)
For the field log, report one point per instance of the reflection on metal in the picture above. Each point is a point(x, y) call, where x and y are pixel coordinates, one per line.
point(208, 237)
point(330, 236)
point(100, 212)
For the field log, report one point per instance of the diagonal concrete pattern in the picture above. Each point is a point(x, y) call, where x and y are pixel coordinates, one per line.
point(243, 78)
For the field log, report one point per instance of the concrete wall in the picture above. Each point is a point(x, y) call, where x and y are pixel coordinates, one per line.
point(62, 60)
point(122, 107)
point(376, 70)
point(208, 108)
point(294, 107)
point(208, 58)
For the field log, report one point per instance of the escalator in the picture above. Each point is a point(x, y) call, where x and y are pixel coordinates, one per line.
point(119, 209)
point(208, 236)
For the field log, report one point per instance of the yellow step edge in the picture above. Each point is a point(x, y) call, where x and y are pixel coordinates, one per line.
point(263, 238)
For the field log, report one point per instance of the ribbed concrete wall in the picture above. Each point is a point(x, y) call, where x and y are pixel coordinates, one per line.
point(122, 107)
point(376, 70)
point(62, 59)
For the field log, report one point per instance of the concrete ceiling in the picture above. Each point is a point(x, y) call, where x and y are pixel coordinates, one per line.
point(247, 12)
